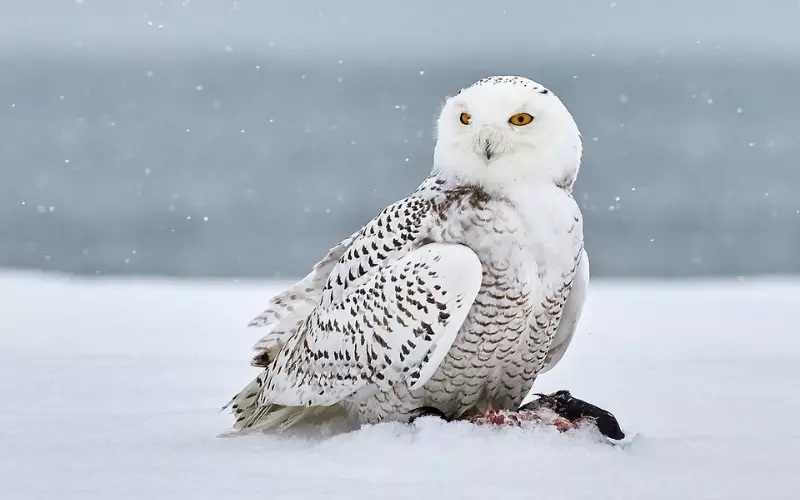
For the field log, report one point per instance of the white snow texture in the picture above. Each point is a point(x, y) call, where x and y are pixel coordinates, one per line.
point(111, 389)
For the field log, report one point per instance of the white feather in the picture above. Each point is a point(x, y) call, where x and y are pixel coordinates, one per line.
point(571, 315)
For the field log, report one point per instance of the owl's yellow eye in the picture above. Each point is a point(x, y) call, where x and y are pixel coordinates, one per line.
point(520, 119)
point(464, 118)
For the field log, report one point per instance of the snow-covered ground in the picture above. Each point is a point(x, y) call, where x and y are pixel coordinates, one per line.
point(110, 389)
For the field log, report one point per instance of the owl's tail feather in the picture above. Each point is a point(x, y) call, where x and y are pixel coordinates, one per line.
point(252, 417)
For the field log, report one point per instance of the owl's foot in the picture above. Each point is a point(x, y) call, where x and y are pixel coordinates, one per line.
point(559, 409)
point(427, 411)
point(577, 411)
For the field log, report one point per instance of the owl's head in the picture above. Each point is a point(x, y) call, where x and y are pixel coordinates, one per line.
point(507, 130)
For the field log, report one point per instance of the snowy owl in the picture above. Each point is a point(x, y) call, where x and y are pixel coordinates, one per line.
point(450, 301)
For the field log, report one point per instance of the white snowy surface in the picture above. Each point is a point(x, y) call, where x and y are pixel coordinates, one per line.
point(111, 390)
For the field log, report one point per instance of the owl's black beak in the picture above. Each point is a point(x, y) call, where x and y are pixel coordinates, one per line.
point(488, 149)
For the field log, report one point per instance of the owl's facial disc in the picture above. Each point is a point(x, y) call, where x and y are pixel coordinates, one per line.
point(493, 137)
point(505, 128)
point(491, 122)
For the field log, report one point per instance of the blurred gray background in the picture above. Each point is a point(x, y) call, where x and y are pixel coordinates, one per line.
point(244, 138)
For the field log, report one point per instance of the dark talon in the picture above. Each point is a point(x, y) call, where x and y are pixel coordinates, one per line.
point(573, 409)
point(427, 411)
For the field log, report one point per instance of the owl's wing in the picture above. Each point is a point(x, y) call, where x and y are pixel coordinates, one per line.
point(570, 315)
point(396, 326)
point(389, 311)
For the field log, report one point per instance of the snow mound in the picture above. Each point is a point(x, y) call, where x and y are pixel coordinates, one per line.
point(112, 389)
